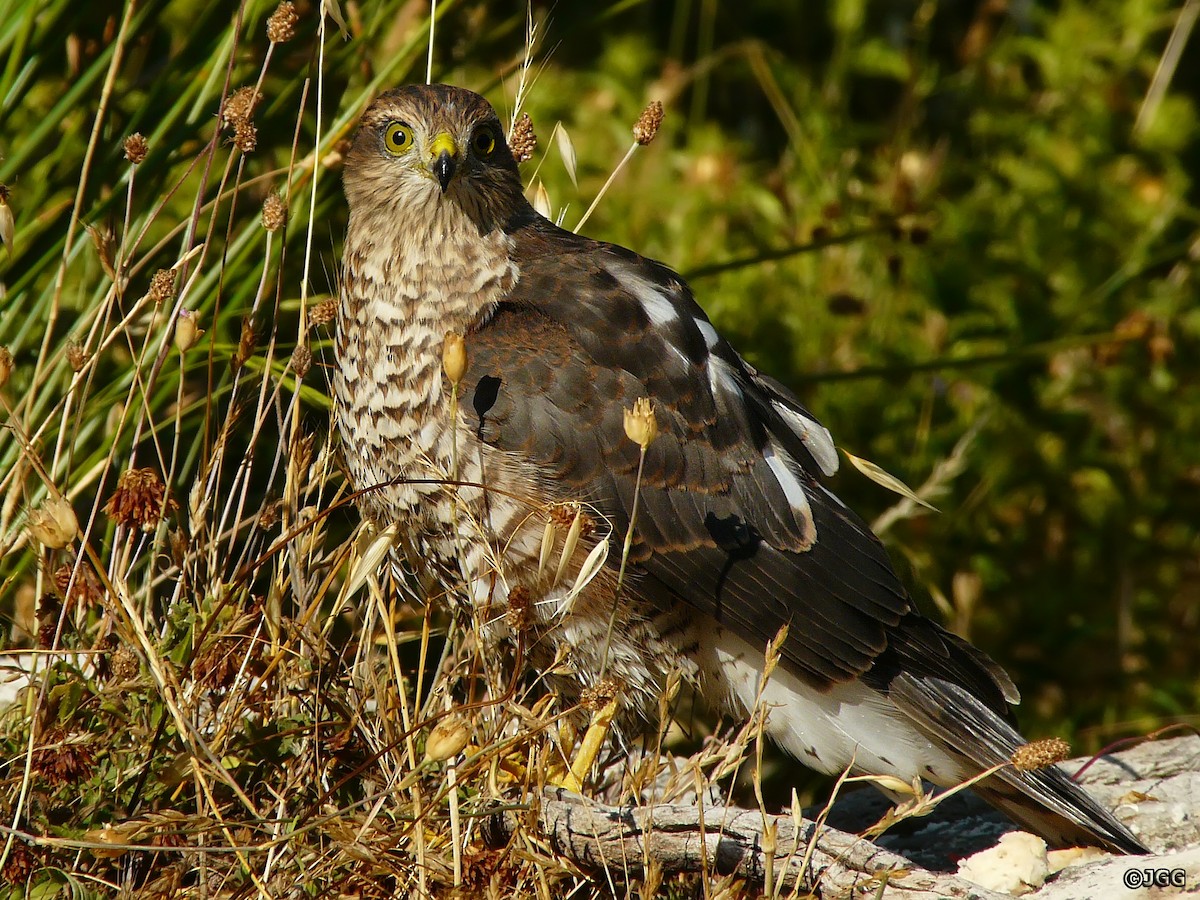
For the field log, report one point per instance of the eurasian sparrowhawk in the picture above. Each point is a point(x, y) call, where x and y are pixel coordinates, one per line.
point(735, 534)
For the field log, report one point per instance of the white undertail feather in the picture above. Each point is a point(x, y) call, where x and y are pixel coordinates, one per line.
point(846, 724)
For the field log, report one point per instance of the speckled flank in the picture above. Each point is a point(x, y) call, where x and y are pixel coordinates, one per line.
point(417, 266)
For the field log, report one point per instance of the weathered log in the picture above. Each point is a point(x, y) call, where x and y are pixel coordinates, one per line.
point(1157, 783)
point(722, 841)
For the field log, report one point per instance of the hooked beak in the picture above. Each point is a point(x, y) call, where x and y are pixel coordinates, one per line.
point(444, 159)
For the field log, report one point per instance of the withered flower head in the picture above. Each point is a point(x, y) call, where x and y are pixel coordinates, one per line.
point(162, 285)
point(563, 515)
point(447, 738)
point(648, 123)
point(520, 608)
point(301, 360)
point(324, 312)
point(239, 106)
point(1040, 754)
point(140, 500)
point(594, 698)
point(454, 356)
point(186, 331)
point(77, 586)
point(22, 862)
point(53, 523)
point(523, 140)
point(124, 664)
point(63, 761)
point(640, 424)
point(245, 135)
point(76, 356)
point(269, 516)
point(136, 148)
point(274, 213)
point(219, 663)
point(281, 26)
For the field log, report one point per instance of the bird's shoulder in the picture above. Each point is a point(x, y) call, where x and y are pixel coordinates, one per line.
point(732, 517)
point(627, 313)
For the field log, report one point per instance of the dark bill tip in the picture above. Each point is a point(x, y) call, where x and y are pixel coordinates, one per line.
point(443, 169)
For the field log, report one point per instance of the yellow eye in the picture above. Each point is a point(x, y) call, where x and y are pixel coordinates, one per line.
point(397, 137)
point(483, 142)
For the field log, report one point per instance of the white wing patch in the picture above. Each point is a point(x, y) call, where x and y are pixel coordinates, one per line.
point(660, 309)
point(722, 378)
point(816, 437)
point(792, 488)
point(655, 301)
point(711, 338)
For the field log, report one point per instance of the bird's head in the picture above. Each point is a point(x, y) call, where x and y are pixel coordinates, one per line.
point(424, 145)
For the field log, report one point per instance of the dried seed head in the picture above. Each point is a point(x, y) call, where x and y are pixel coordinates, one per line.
point(246, 342)
point(520, 608)
point(76, 356)
point(245, 135)
point(239, 106)
point(640, 424)
point(79, 589)
point(523, 140)
point(594, 698)
point(22, 862)
point(648, 123)
point(281, 26)
point(447, 738)
point(140, 500)
point(269, 515)
point(218, 664)
point(186, 331)
point(49, 610)
point(6, 365)
point(324, 312)
point(301, 360)
point(63, 761)
point(274, 213)
point(454, 357)
point(563, 515)
point(105, 242)
point(123, 665)
point(136, 148)
point(1040, 754)
point(302, 451)
point(53, 523)
point(162, 286)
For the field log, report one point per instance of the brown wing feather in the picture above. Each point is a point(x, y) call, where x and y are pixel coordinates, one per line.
point(562, 359)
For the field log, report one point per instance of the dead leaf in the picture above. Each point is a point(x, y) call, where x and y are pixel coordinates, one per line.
point(889, 481)
point(567, 149)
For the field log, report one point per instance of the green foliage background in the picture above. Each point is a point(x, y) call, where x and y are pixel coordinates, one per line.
point(935, 221)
